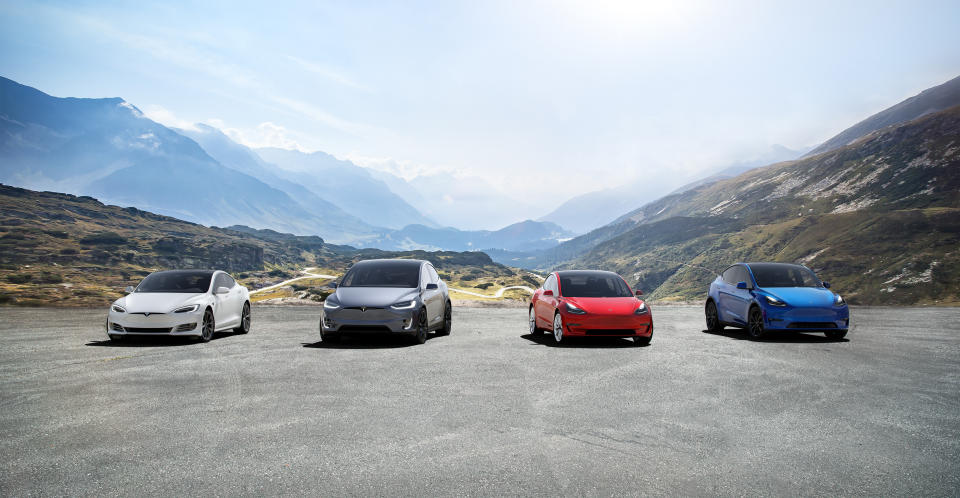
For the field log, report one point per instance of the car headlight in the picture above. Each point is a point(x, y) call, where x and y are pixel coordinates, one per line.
point(187, 309)
point(404, 305)
point(838, 301)
point(573, 309)
point(642, 309)
point(774, 301)
point(330, 305)
point(118, 308)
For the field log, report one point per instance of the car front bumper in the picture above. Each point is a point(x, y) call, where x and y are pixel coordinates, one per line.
point(155, 324)
point(608, 325)
point(807, 319)
point(368, 320)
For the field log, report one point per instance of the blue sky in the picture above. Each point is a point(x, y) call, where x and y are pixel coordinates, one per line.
point(542, 99)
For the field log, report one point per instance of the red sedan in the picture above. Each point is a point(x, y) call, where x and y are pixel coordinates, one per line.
point(590, 303)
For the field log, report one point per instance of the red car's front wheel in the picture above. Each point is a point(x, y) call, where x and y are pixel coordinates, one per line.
point(558, 328)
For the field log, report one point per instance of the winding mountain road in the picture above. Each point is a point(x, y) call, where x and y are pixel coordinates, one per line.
point(498, 294)
point(306, 274)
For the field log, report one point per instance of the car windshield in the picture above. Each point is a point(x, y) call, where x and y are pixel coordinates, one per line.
point(593, 284)
point(383, 274)
point(783, 275)
point(192, 282)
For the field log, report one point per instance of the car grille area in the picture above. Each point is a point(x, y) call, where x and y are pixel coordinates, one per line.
point(375, 329)
point(611, 332)
point(812, 325)
point(147, 330)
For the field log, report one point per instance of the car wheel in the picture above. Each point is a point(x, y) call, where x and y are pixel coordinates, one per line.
point(206, 333)
point(642, 341)
point(421, 335)
point(558, 328)
point(534, 330)
point(836, 334)
point(713, 318)
point(755, 324)
point(244, 326)
point(331, 338)
point(447, 320)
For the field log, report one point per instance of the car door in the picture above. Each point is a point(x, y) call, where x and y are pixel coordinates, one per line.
point(432, 298)
point(725, 295)
point(741, 298)
point(546, 304)
point(223, 312)
point(436, 304)
point(234, 299)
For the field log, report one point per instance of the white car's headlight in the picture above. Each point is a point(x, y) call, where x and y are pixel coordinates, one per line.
point(330, 305)
point(118, 308)
point(838, 301)
point(774, 301)
point(404, 305)
point(187, 309)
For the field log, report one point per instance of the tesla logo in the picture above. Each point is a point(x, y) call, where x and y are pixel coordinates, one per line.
point(363, 309)
point(146, 314)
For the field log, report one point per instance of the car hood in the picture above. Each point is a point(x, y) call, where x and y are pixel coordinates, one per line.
point(379, 297)
point(605, 305)
point(802, 296)
point(158, 302)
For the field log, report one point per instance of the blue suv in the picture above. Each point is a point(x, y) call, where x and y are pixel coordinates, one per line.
point(761, 297)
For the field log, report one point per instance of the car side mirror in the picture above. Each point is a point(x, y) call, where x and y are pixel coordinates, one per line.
point(129, 289)
point(332, 285)
point(432, 286)
point(741, 285)
point(222, 290)
point(548, 292)
point(638, 293)
point(826, 285)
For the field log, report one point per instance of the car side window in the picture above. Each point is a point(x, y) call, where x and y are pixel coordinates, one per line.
point(744, 276)
point(730, 275)
point(424, 276)
point(228, 281)
point(434, 277)
point(548, 283)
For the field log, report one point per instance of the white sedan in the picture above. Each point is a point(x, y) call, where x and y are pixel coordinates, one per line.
point(181, 303)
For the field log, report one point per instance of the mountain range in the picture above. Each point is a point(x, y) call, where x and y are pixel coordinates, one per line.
point(879, 216)
point(108, 149)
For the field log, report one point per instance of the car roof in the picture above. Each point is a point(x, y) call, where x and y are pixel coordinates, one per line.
point(576, 273)
point(202, 272)
point(386, 260)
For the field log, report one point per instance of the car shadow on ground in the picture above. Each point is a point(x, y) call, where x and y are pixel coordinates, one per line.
point(777, 336)
point(164, 341)
point(375, 341)
point(546, 339)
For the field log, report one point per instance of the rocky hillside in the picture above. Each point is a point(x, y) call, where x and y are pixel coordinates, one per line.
point(880, 218)
point(64, 250)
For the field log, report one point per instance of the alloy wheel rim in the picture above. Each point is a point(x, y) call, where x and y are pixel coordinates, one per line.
point(711, 316)
point(422, 325)
point(558, 328)
point(207, 327)
point(756, 323)
point(532, 322)
point(246, 317)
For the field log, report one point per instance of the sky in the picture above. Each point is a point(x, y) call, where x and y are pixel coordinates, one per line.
point(543, 100)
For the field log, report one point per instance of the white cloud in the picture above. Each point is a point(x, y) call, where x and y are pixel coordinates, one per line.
point(166, 117)
point(328, 73)
point(266, 134)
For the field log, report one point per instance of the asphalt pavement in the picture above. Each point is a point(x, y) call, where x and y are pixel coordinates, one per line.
point(489, 410)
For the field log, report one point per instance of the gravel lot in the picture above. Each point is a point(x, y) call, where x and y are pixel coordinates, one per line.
point(488, 410)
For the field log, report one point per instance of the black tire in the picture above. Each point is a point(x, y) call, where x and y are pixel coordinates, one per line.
point(447, 320)
point(244, 326)
point(713, 318)
point(836, 335)
point(558, 336)
point(534, 330)
point(206, 332)
point(331, 338)
point(755, 325)
point(642, 341)
point(420, 336)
